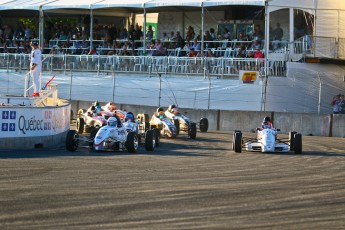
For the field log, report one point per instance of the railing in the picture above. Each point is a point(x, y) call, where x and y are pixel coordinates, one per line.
point(316, 46)
point(215, 66)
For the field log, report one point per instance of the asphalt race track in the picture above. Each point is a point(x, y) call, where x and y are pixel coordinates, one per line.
point(183, 184)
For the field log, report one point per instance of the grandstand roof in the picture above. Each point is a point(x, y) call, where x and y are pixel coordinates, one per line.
point(97, 4)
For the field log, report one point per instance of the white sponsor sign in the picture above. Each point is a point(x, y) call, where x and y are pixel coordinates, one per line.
point(26, 122)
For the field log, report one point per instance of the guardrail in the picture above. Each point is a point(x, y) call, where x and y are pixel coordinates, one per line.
point(214, 66)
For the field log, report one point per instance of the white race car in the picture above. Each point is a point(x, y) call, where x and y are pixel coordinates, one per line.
point(267, 141)
point(113, 137)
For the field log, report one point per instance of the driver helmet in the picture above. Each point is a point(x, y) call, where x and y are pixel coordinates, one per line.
point(112, 121)
point(112, 106)
point(96, 103)
point(171, 108)
point(267, 119)
point(129, 117)
point(160, 112)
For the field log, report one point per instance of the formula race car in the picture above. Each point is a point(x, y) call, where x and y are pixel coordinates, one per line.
point(185, 123)
point(115, 136)
point(267, 141)
point(88, 120)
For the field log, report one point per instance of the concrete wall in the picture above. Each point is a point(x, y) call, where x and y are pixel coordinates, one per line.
point(248, 121)
point(52, 141)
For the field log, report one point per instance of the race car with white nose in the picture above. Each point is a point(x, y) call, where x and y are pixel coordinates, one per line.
point(267, 141)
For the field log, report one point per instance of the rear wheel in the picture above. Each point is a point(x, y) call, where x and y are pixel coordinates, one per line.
point(192, 130)
point(80, 125)
point(177, 125)
point(72, 141)
point(237, 142)
point(150, 140)
point(92, 136)
point(157, 137)
point(292, 139)
point(298, 143)
point(203, 125)
point(132, 142)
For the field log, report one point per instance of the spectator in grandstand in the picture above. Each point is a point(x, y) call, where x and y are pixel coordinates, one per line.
point(190, 34)
point(335, 103)
point(195, 45)
point(209, 38)
point(226, 34)
point(278, 32)
point(240, 53)
point(179, 42)
point(258, 34)
point(342, 104)
point(213, 34)
point(258, 54)
point(172, 36)
point(159, 49)
point(209, 53)
point(165, 37)
point(93, 51)
point(256, 44)
point(63, 35)
point(149, 33)
point(78, 47)
point(27, 33)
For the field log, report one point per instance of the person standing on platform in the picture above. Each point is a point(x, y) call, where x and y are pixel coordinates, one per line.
point(35, 68)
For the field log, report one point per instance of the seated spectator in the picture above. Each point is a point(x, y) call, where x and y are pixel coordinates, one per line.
point(240, 53)
point(93, 51)
point(159, 49)
point(179, 42)
point(165, 37)
point(209, 53)
point(258, 54)
point(196, 45)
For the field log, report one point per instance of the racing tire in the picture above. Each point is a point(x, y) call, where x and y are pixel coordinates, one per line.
point(192, 130)
point(157, 137)
point(146, 126)
point(80, 125)
point(203, 125)
point(177, 125)
point(72, 141)
point(81, 112)
point(292, 140)
point(237, 142)
point(92, 137)
point(298, 143)
point(150, 140)
point(132, 142)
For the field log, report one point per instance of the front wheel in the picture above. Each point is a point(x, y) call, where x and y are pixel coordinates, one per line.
point(150, 140)
point(298, 143)
point(80, 125)
point(203, 125)
point(72, 141)
point(237, 142)
point(192, 131)
point(292, 140)
point(132, 142)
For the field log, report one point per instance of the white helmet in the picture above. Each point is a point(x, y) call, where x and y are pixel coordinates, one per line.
point(112, 121)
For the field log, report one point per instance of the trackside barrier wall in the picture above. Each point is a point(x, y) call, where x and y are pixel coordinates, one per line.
point(248, 121)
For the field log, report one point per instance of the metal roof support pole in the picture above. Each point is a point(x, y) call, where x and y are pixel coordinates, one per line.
point(91, 28)
point(202, 29)
point(144, 31)
point(41, 28)
point(267, 44)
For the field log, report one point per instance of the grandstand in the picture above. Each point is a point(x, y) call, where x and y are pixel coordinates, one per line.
point(313, 32)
